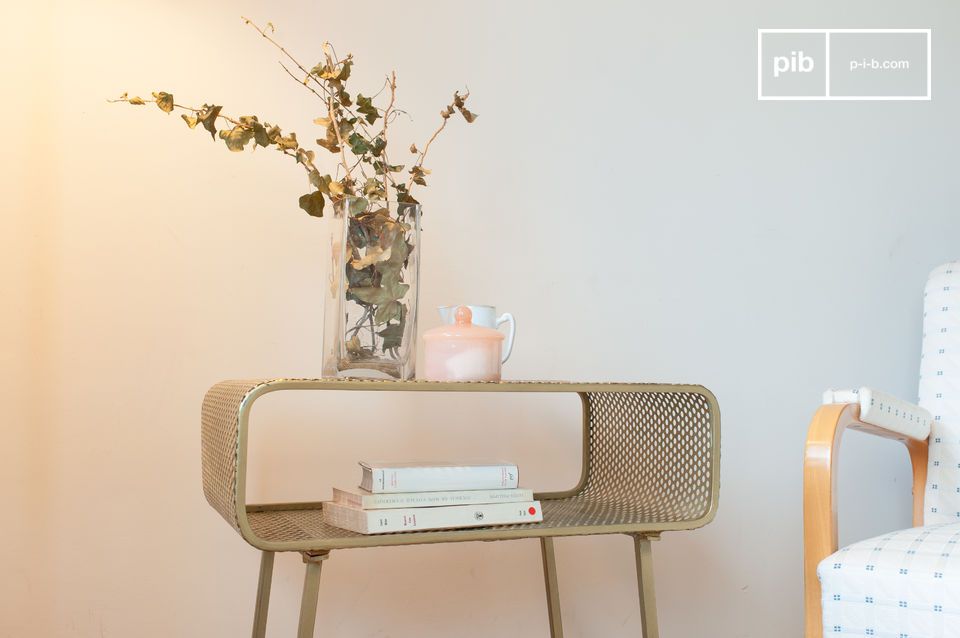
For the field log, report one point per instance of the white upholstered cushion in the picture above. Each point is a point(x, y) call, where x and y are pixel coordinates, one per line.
point(940, 392)
point(841, 396)
point(903, 584)
point(886, 411)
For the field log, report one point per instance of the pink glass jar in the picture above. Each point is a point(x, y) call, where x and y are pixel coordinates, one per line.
point(462, 351)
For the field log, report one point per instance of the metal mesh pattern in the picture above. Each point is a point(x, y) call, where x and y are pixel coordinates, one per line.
point(652, 466)
point(650, 455)
point(308, 525)
point(576, 516)
point(218, 445)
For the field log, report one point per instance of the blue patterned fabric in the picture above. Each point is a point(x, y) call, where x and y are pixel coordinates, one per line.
point(904, 584)
point(940, 392)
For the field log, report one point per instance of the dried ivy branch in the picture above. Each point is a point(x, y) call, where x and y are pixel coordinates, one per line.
point(386, 120)
point(379, 245)
point(308, 75)
point(348, 128)
point(418, 172)
point(247, 128)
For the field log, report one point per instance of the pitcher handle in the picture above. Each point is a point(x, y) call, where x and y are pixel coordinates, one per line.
point(508, 346)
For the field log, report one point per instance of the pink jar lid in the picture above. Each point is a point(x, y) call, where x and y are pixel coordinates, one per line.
point(463, 329)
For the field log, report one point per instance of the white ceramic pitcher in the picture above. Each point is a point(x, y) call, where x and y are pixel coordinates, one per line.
point(485, 316)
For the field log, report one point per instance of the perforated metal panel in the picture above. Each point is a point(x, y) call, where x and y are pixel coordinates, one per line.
point(650, 454)
point(219, 434)
point(651, 458)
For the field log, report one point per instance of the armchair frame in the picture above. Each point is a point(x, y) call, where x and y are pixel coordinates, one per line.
point(820, 493)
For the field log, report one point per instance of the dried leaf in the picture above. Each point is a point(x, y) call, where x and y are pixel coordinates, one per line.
point(399, 251)
point(322, 121)
point(373, 188)
point(236, 138)
point(375, 254)
point(413, 148)
point(406, 198)
point(358, 144)
point(322, 183)
point(359, 278)
point(331, 142)
point(136, 101)
point(260, 135)
point(380, 167)
point(273, 133)
point(387, 312)
point(337, 188)
point(380, 294)
point(330, 146)
point(312, 203)
point(357, 205)
point(327, 72)
point(288, 142)
point(378, 146)
point(367, 109)
point(353, 345)
point(459, 101)
point(208, 117)
point(345, 69)
point(392, 336)
point(373, 295)
point(417, 174)
point(164, 101)
point(305, 156)
point(190, 120)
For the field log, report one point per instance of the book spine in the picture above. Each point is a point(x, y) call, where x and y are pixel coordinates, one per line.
point(345, 517)
point(350, 499)
point(412, 519)
point(437, 479)
point(431, 499)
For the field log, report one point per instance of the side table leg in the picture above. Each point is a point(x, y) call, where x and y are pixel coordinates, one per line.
point(263, 595)
point(648, 601)
point(311, 589)
point(550, 580)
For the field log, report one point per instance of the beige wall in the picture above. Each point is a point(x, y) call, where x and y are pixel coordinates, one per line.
point(623, 193)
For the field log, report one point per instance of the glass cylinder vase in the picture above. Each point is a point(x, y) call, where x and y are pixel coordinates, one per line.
point(370, 313)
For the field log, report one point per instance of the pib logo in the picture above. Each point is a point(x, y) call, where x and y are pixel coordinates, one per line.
point(843, 64)
point(791, 64)
point(796, 62)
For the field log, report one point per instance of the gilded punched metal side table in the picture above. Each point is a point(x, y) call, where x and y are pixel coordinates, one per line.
point(651, 462)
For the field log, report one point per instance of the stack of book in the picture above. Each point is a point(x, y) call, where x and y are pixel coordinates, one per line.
point(402, 497)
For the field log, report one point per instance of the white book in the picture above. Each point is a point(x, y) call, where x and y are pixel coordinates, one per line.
point(391, 478)
point(362, 499)
point(410, 519)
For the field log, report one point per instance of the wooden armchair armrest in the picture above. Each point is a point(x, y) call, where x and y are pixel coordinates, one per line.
point(820, 498)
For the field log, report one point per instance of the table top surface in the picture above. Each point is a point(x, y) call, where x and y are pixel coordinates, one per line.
point(506, 385)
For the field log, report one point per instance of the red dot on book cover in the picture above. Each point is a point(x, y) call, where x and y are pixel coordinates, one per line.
point(532, 510)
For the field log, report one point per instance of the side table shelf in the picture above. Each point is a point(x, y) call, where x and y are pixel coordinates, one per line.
point(651, 461)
